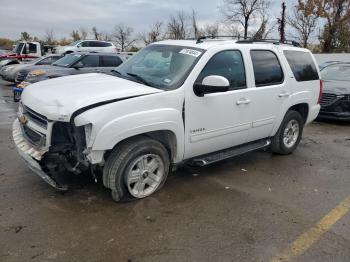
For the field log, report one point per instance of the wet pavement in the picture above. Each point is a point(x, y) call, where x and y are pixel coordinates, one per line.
point(250, 208)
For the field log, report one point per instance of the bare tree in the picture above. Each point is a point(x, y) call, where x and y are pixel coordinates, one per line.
point(154, 35)
point(83, 33)
point(197, 32)
point(122, 36)
point(49, 36)
point(95, 33)
point(304, 20)
point(242, 11)
point(212, 30)
point(282, 23)
point(75, 35)
point(177, 26)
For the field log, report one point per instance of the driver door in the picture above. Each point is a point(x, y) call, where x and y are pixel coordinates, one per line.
point(218, 120)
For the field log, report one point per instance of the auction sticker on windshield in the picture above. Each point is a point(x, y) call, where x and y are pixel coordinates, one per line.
point(191, 52)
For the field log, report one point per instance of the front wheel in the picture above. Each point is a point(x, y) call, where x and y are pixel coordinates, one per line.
point(289, 134)
point(136, 169)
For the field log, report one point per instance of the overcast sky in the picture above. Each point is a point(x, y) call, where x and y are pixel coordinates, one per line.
point(36, 16)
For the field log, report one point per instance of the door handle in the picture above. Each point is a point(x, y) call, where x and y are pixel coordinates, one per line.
point(284, 94)
point(243, 101)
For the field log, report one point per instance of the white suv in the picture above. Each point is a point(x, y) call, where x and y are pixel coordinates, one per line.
point(87, 46)
point(175, 102)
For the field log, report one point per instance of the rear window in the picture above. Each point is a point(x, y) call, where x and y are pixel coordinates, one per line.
point(267, 68)
point(302, 65)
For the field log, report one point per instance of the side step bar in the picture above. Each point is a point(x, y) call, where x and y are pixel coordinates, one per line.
point(211, 158)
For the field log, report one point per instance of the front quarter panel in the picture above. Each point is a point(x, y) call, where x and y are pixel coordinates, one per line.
point(112, 123)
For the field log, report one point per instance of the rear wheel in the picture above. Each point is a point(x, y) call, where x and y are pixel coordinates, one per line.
point(136, 169)
point(289, 134)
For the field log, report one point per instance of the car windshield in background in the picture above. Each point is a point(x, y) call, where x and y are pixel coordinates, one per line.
point(339, 72)
point(18, 48)
point(3, 51)
point(67, 60)
point(161, 66)
point(74, 43)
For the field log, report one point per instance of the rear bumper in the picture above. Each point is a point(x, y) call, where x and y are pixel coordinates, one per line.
point(30, 156)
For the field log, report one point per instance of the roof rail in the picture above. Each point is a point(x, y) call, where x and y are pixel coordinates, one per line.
point(201, 38)
point(272, 41)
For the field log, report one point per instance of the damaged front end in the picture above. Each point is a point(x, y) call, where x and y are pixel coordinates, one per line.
point(49, 146)
point(335, 106)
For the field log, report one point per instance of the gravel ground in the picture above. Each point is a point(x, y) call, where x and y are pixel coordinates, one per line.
point(245, 209)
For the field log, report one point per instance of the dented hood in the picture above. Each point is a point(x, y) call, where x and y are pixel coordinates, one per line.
point(59, 98)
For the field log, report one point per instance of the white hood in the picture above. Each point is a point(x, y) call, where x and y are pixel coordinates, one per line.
point(59, 98)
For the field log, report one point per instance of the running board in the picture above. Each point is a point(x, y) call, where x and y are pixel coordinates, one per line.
point(211, 158)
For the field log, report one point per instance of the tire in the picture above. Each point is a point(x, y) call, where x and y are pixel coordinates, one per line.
point(136, 169)
point(279, 143)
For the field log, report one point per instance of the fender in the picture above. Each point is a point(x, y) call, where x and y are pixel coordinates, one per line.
point(303, 97)
point(105, 136)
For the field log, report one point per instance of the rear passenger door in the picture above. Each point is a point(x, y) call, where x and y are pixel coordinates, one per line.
point(269, 93)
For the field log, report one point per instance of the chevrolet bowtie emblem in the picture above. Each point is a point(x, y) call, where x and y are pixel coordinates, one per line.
point(23, 120)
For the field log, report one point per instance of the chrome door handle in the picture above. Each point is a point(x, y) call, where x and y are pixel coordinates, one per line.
point(284, 94)
point(243, 101)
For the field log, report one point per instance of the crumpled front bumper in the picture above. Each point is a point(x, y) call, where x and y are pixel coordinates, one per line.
point(31, 156)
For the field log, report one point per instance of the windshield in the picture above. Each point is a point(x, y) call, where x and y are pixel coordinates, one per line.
point(339, 72)
point(74, 43)
point(18, 48)
point(67, 60)
point(161, 66)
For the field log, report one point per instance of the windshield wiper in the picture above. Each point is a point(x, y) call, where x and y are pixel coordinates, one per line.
point(140, 78)
point(116, 71)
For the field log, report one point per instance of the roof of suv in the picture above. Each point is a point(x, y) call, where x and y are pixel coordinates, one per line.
point(210, 43)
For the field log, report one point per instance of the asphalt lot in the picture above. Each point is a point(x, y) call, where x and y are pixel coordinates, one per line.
point(257, 207)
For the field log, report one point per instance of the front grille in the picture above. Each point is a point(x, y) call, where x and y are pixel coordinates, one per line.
point(328, 99)
point(35, 117)
point(33, 137)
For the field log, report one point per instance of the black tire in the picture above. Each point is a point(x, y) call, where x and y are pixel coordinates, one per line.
point(278, 146)
point(119, 163)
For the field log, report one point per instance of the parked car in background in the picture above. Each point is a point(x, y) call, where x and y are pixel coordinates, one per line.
point(176, 102)
point(22, 71)
point(3, 51)
point(10, 72)
point(323, 65)
point(71, 64)
point(24, 51)
point(87, 46)
point(335, 103)
point(7, 62)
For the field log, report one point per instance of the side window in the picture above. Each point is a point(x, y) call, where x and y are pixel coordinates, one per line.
point(267, 69)
point(104, 44)
point(110, 61)
point(96, 44)
point(32, 48)
point(228, 64)
point(89, 61)
point(302, 65)
point(85, 44)
point(46, 61)
point(55, 58)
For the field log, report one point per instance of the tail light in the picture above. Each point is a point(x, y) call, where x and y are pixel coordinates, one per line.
point(320, 94)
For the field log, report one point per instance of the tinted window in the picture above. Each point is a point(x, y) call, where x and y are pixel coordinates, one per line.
point(45, 61)
point(85, 44)
point(228, 64)
point(89, 61)
point(95, 44)
point(302, 65)
point(110, 61)
point(55, 58)
point(267, 69)
point(103, 44)
point(32, 48)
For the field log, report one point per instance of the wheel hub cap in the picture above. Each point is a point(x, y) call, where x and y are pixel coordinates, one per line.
point(144, 175)
point(291, 133)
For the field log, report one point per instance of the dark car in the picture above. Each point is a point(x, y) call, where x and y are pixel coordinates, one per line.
point(22, 72)
point(335, 103)
point(71, 64)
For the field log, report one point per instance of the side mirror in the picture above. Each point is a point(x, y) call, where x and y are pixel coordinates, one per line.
point(211, 84)
point(78, 66)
